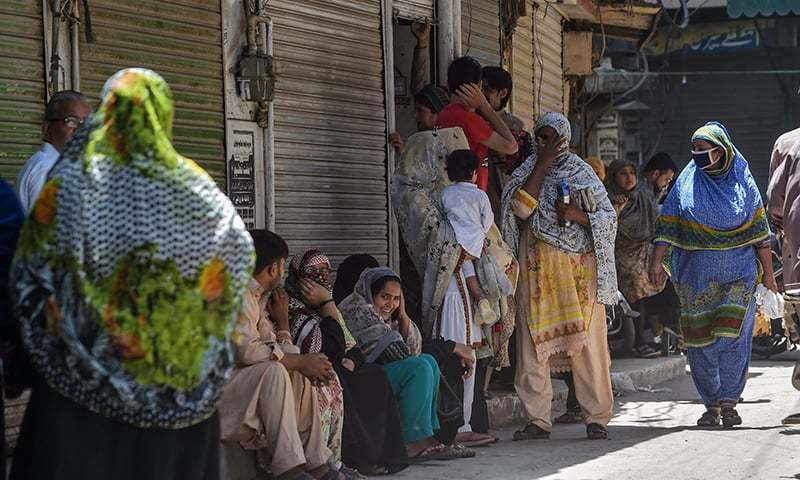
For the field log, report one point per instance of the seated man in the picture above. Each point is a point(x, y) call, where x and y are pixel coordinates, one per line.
point(269, 403)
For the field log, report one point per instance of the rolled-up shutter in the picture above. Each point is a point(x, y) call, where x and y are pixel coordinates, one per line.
point(522, 103)
point(413, 9)
point(22, 83)
point(547, 60)
point(330, 127)
point(480, 31)
point(182, 41)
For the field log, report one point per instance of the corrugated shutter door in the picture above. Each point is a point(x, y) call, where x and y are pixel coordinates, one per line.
point(413, 9)
point(753, 121)
point(22, 83)
point(480, 31)
point(547, 60)
point(522, 104)
point(330, 127)
point(182, 41)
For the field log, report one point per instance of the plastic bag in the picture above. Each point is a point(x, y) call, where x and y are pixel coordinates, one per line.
point(769, 302)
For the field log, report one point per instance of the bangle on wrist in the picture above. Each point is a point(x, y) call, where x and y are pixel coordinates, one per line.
point(284, 337)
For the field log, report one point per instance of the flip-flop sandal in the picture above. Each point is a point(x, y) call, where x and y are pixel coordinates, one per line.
point(531, 432)
point(436, 452)
point(458, 450)
point(595, 431)
point(478, 440)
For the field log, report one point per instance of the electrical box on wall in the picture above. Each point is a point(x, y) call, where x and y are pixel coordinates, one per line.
point(245, 171)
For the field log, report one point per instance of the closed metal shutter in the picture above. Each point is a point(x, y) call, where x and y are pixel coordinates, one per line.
point(330, 127)
point(522, 95)
point(547, 61)
point(413, 9)
point(182, 41)
point(480, 31)
point(754, 121)
point(22, 83)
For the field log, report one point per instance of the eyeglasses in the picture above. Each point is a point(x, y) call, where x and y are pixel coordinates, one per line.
point(70, 120)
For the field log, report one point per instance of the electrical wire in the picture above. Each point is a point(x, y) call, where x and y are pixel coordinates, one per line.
point(537, 45)
point(602, 31)
point(469, 27)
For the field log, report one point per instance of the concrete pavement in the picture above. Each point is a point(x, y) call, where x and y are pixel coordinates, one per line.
point(505, 408)
point(653, 435)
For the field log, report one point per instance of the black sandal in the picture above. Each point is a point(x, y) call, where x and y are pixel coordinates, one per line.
point(710, 418)
point(595, 431)
point(730, 417)
point(571, 416)
point(531, 432)
point(646, 351)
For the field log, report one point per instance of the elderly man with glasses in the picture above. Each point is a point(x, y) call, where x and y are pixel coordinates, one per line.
point(64, 114)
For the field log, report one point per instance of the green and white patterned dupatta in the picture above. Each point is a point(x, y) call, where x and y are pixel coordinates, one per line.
point(416, 191)
point(131, 268)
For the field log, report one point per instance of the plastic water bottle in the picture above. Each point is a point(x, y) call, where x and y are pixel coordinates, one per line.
point(563, 193)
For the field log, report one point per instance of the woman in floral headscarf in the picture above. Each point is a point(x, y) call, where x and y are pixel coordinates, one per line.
point(127, 281)
point(714, 227)
point(360, 417)
point(566, 257)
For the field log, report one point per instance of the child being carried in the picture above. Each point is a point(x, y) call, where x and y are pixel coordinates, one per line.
point(469, 212)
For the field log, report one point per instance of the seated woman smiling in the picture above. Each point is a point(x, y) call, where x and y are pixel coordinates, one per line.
point(375, 315)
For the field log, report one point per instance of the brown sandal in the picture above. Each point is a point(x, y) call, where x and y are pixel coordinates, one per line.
point(571, 417)
point(595, 431)
point(531, 432)
point(436, 452)
point(709, 418)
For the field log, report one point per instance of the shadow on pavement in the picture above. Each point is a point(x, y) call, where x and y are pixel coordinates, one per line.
point(567, 447)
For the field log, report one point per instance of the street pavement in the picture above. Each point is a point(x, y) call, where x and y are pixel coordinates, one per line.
point(653, 436)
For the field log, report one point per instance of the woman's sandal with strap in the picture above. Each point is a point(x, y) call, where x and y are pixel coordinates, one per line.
point(595, 431)
point(708, 419)
point(730, 418)
point(531, 432)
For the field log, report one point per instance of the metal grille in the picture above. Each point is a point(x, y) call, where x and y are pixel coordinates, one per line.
point(330, 127)
point(182, 41)
point(22, 83)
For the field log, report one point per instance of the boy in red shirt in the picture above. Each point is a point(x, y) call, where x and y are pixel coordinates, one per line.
point(464, 80)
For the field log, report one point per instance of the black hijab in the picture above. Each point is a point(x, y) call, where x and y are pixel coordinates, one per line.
point(348, 272)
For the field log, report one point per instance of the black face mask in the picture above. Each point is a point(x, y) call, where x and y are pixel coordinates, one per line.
point(703, 159)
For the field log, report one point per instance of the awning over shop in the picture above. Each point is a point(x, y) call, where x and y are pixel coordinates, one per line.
point(766, 8)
